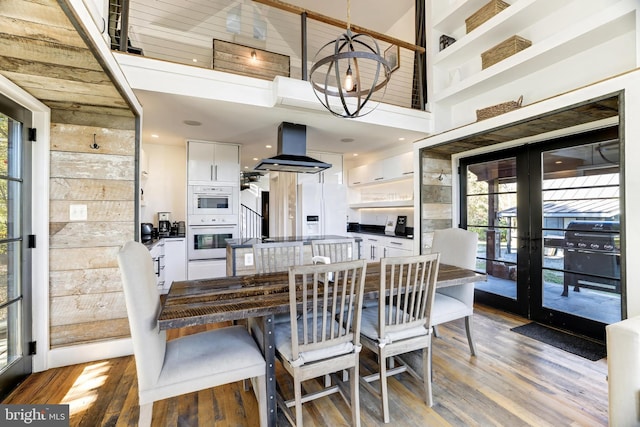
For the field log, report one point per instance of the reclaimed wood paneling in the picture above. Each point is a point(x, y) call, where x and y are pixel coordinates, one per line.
point(80, 139)
point(22, 66)
point(85, 333)
point(111, 118)
point(85, 281)
point(103, 211)
point(84, 234)
point(235, 58)
point(62, 259)
point(90, 189)
point(86, 165)
point(75, 309)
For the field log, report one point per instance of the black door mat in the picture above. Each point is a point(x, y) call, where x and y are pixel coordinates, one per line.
point(582, 347)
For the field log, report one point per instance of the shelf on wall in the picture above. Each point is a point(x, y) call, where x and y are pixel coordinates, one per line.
point(611, 23)
point(383, 204)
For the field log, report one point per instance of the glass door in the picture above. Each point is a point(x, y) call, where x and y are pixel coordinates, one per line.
point(548, 217)
point(15, 297)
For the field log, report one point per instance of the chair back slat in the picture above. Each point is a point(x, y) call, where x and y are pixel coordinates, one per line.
point(410, 283)
point(329, 309)
point(337, 250)
point(272, 257)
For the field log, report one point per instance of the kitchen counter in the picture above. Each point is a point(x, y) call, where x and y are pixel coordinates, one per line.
point(248, 243)
point(240, 251)
point(151, 243)
point(382, 233)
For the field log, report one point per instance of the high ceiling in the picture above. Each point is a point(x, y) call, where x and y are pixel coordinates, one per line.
point(255, 127)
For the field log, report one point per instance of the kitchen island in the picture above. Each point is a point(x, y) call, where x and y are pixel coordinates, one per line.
point(240, 251)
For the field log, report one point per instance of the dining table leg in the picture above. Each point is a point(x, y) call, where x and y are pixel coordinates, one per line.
point(270, 358)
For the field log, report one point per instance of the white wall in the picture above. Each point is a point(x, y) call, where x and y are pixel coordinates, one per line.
point(165, 187)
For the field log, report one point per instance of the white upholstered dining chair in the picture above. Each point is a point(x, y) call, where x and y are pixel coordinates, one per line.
point(402, 323)
point(187, 364)
point(325, 337)
point(458, 247)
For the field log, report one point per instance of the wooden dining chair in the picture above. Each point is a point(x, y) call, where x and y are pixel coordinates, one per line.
point(337, 250)
point(458, 247)
point(272, 257)
point(187, 364)
point(401, 322)
point(325, 338)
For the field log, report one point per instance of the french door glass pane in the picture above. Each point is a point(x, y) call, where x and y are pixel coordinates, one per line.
point(581, 231)
point(491, 212)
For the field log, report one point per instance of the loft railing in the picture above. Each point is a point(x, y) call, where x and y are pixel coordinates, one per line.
point(250, 223)
point(165, 30)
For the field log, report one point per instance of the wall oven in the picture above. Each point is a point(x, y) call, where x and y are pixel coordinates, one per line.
point(209, 241)
point(212, 200)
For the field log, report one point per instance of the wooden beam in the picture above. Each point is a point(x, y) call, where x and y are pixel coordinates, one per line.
point(338, 23)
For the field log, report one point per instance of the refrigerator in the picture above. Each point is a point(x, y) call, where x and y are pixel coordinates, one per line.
point(321, 210)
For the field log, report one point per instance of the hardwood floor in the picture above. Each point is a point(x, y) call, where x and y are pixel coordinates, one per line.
point(514, 381)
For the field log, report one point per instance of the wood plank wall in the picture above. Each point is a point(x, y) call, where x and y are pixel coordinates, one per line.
point(87, 303)
point(436, 197)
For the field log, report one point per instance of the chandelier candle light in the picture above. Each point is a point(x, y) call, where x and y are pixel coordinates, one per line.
point(336, 78)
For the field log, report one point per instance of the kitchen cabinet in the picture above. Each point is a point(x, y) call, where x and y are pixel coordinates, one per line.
point(375, 247)
point(385, 170)
point(175, 261)
point(157, 256)
point(207, 268)
point(213, 162)
point(333, 175)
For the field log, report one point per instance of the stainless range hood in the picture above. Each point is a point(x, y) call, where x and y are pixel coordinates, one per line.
point(292, 150)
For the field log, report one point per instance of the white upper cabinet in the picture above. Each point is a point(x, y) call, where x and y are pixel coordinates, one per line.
point(389, 169)
point(213, 162)
point(333, 175)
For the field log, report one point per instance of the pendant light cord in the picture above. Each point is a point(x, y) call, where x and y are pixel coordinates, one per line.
point(348, 15)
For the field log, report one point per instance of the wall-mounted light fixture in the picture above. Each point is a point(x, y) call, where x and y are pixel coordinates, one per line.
point(254, 56)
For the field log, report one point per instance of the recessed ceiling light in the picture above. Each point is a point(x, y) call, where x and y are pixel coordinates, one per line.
point(255, 159)
point(558, 162)
point(153, 135)
point(192, 123)
point(268, 146)
point(355, 154)
point(195, 60)
point(347, 140)
point(246, 167)
point(401, 139)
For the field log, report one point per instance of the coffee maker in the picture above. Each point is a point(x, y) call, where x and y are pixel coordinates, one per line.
point(164, 224)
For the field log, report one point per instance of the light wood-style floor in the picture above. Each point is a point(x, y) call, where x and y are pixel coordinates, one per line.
point(514, 381)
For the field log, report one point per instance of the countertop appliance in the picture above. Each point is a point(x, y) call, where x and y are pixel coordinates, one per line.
point(146, 231)
point(321, 209)
point(164, 224)
point(401, 225)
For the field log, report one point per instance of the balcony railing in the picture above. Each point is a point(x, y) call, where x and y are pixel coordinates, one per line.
point(169, 31)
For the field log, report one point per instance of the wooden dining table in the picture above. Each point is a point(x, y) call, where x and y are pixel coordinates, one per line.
point(204, 301)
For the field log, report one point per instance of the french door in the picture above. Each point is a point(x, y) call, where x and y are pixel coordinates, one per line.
point(548, 217)
point(15, 223)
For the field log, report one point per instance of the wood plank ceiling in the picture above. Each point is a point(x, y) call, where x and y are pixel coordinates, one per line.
point(566, 118)
point(44, 53)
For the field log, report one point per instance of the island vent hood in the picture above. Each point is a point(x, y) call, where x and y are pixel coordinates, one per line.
point(292, 150)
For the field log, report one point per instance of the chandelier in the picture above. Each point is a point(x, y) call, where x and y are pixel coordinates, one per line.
point(349, 71)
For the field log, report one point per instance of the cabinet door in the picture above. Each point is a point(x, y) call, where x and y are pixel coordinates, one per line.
point(200, 163)
point(226, 163)
point(373, 249)
point(397, 167)
point(356, 176)
point(175, 261)
point(157, 255)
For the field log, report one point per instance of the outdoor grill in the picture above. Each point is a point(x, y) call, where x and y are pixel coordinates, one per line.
point(592, 256)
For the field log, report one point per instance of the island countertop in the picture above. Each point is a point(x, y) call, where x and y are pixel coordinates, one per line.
point(240, 251)
point(248, 243)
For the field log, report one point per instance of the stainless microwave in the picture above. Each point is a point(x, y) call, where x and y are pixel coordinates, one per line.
point(212, 200)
